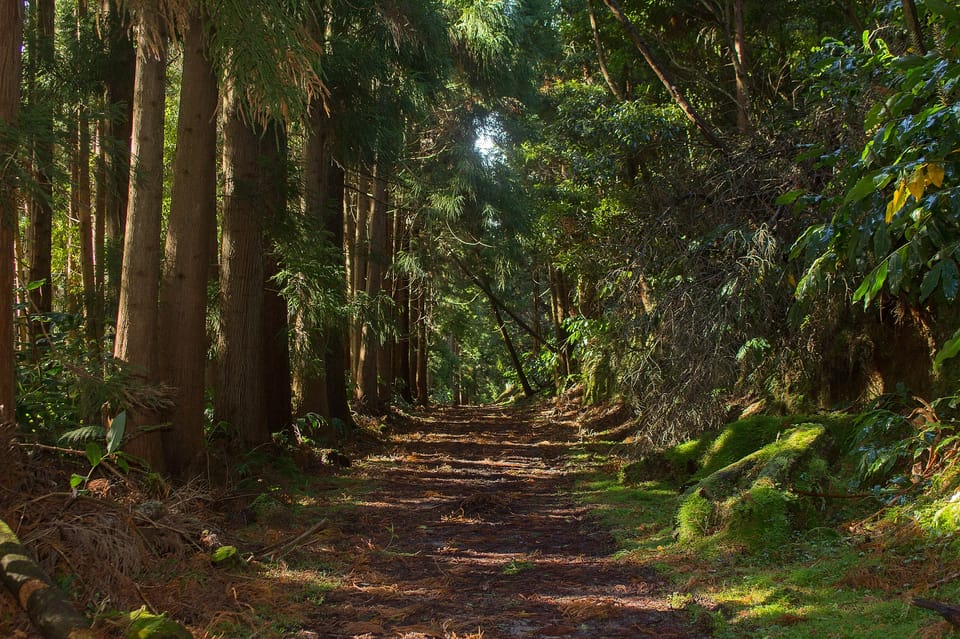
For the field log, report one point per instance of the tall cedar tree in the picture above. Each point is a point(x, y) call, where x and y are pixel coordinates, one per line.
point(136, 341)
point(191, 231)
point(11, 34)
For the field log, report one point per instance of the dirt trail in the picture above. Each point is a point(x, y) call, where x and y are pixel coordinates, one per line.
point(472, 532)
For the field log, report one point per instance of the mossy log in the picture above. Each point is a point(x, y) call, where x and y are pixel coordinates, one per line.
point(49, 609)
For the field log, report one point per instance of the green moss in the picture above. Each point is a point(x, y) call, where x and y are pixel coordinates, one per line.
point(761, 518)
point(744, 500)
point(714, 450)
point(739, 439)
point(696, 518)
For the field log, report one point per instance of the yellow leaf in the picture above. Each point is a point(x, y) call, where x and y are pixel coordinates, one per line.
point(899, 199)
point(917, 183)
point(935, 174)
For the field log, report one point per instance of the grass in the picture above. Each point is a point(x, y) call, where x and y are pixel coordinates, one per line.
point(824, 582)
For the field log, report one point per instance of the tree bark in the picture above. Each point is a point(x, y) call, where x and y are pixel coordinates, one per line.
point(601, 56)
point(913, 26)
point(239, 396)
point(192, 222)
point(335, 355)
point(422, 347)
point(385, 373)
point(514, 358)
point(559, 311)
point(401, 296)
point(739, 59)
point(136, 341)
point(11, 35)
point(82, 210)
point(49, 609)
point(272, 174)
point(359, 254)
point(40, 230)
point(689, 111)
point(310, 392)
point(119, 78)
point(370, 343)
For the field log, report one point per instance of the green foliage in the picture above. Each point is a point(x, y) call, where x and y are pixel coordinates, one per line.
point(95, 454)
point(893, 200)
point(146, 625)
point(225, 555)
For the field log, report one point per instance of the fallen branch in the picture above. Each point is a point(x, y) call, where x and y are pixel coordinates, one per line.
point(950, 612)
point(810, 493)
point(279, 550)
point(49, 609)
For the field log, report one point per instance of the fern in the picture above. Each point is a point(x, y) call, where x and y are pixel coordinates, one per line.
point(83, 435)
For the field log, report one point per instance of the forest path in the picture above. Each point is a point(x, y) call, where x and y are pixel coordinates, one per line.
point(472, 531)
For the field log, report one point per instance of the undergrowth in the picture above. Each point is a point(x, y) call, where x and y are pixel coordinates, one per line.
point(836, 547)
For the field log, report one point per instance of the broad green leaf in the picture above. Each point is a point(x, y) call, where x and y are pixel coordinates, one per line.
point(864, 187)
point(949, 350)
point(930, 281)
point(895, 271)
point(76, 481)
point(94, 453)
point(115, 433)
point(790, 196)
point(945, 9)
point(872, 284)
point(881, 241)
point(949, 279)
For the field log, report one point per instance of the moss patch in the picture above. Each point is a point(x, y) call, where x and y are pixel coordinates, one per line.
point(746, 500)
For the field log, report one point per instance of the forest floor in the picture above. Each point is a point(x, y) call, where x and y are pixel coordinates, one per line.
point(472, 531)
point(459, 523)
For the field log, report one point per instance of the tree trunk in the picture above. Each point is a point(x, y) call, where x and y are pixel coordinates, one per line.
point(664, 77)
point(11, 34)
point(913, 26)
point(370, 341)
point(559, 311)
point(739, 59)
point(82, 209)
point(385, 374)
point(360, 254)
point(40, 230)
point(193, 214)
point(514, 358)
point(136, 341)
point(401, 295)
point(335, 356)
point(310, 391)
point(422, 347)
point(601, 56)
point(115, 152)
point(272, 174)
point(239, 397)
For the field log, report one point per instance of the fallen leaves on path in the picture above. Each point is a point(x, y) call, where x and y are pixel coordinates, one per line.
point(472, 533)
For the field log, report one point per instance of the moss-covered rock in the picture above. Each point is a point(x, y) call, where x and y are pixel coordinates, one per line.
point(747, 502)
point(761, 517)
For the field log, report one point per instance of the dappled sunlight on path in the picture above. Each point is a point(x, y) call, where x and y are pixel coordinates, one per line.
point(472, 532)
